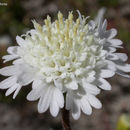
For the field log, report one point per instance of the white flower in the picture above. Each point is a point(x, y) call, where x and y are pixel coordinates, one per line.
point(67, 61)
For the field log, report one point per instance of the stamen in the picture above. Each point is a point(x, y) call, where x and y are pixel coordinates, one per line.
point(70, 17)
point(60, 18)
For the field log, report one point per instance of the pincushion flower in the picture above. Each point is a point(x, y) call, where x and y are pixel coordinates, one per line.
point(67, 62)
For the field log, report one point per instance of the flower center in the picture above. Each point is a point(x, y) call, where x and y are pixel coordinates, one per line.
point(62, 48)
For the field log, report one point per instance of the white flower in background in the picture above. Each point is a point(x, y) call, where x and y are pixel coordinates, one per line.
point(67, 62)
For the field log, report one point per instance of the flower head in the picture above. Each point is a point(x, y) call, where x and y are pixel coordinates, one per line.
point(65, 57)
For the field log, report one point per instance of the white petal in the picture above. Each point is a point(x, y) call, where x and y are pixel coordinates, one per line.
point(90, 79)
point(72, 85)
point(8, 71)
point(111, 49)
point(76, 110)
point(122, 56)
point(7, 83)
point(106, 73)
point(100, 64)
point(115, 42)
point(99, 17)
point(85, 106)
point(54, 106)
point(104, 84)
point(12, 50)
point(45, 100)
point(58, 84)
point(104, 25)
point(59, 97)
point(91, 24)
point(20, 40)
point(76, 116)
point(123, 67)
point(113, 33)
point(35, 93)
point(49, 79)
point(123, 74)
point(111, 65)
point(80, 16)
point(54, 109)
point(111, 56)
point(18, 61)
point(32, 32)
point(11, 89)
point(94, 101)
point(108, 34)
point(9, 57)
point(37, 83)
point(25, 78)
point(90, 88)
point(17, 91)
point(69, 101)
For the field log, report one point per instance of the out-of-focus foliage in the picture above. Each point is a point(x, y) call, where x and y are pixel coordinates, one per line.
point(124, 35)
point(124, 122)
point(109, 3)
point(11, 18)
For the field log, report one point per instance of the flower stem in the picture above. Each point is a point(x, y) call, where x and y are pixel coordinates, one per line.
point(65, 119)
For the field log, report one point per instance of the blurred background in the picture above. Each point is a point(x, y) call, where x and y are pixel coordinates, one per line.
point(15, 19)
